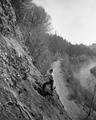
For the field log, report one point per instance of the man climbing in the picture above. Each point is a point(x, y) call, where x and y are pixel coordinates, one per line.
point(50, 81)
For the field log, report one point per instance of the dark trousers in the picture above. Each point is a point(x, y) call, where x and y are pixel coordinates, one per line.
point(48, 83)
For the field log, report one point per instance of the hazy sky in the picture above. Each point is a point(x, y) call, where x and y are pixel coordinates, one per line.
point(74, 20)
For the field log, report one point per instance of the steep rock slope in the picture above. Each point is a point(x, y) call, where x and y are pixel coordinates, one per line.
point(19, 95)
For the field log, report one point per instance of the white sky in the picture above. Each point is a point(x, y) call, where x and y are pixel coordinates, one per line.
point(74, 20)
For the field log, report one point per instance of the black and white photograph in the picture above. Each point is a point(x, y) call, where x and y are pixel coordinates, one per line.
point(47, 60)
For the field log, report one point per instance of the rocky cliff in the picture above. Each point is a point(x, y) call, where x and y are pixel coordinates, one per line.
point(20, 95)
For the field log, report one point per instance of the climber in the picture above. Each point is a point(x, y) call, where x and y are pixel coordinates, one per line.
point(50, 81)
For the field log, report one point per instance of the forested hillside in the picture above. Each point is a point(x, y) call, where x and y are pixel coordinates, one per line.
point(49, 48)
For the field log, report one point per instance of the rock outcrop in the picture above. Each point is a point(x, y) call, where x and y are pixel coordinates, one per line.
point(20, 98)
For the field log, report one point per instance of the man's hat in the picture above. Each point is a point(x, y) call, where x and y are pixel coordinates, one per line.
point(51, 70)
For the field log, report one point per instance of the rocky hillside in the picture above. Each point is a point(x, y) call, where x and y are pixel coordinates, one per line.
point(21, 97)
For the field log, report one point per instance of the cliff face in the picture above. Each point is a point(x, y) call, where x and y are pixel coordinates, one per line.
point(19, 95)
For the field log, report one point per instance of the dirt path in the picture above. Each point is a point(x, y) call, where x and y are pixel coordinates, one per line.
point(72, 109)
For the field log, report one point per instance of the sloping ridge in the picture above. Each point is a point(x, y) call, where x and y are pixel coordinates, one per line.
point(19, 99)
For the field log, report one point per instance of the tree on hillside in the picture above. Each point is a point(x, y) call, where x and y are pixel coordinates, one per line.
point(31, 17)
